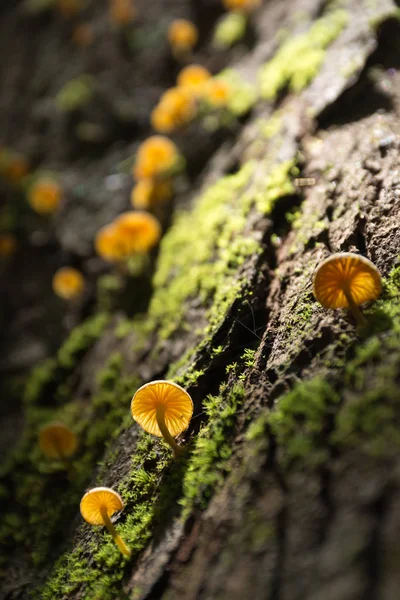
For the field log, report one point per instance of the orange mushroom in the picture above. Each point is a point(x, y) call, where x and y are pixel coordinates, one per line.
point(82, 35)
point(148, 193)
point(59, 442)
point(241, 5)
point(347, 280)
point(68, 283)
point(164, 409)
point(8, 245)
point(138, 232)
point(14, 167)
point(156, 157)
point(122, 12)
point(194, 78)
point(217, 93)
point(97, 506)
point(176, 108)
point(108, 244)
point(182, 36)
point(45, 196)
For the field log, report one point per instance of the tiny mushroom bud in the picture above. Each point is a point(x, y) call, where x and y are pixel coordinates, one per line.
point(217, 93)
point(82, 35)
point(15, 167)
point(138, 232)
point(164, 409)
point(122, 12)
point(156, 157)
point(182, 36)
point(68, 283)
point(194, 78)
point(58, 441)
point(97, 506)
point(347, 280)
point(176, 108)
point(241, 5)
point(148, 193)
point(8, 245)
point(45, 196)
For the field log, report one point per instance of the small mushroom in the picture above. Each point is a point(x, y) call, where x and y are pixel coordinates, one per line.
point(107, 244)
point(347, 280)
point(8, 245)
point(138, 232)
point(156, 157)
point(182, 36)
point(164, 409)
point(59, 442)
point(245, 6)
point(68, 283)
point(97, 506)
point(194, 78)
point(176, 108)
point(122, 12)
point(45, 196)
point(217, 93)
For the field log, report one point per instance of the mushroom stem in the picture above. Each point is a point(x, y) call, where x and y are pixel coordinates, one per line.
point(115, 536)
point(160, 416)
point(66, 462)
point(356, 311)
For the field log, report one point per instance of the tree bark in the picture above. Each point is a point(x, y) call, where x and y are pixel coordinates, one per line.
point(289, 486)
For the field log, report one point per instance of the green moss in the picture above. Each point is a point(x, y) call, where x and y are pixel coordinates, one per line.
point(229, 30)
point(76, 94)
point(203, 265)
point(243, 94)
point(278, 184)
point(313, 417)
point(298, 61)
point(212, 448)
point(45, 498)
point(52, 371)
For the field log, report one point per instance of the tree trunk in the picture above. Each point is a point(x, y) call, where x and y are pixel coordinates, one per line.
point(289, 486)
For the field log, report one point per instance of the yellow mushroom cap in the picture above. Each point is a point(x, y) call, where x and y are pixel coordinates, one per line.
point(56, 440)
point(68, 283)
point(138, 232)
point(45, 196)
point(177, 106)
point(346, 272)
point(217, 92)
point(182, 34)
point(107, 243)
point(177, 403)
point(97, 499)
point(155, 156)
point(15, 168)
point(193, 77)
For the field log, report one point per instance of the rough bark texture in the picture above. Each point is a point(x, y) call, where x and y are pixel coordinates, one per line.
point(290, 485)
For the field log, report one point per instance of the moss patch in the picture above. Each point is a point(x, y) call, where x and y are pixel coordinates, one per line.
point(314, 417)
point(299, 59)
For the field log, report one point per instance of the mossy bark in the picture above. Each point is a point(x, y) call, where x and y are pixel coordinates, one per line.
point(290, 482)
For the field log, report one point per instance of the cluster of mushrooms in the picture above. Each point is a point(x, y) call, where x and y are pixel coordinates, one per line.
point(164, 409)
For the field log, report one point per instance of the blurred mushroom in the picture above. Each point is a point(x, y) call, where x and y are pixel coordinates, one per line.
point(68, 283)
point(59, 442)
